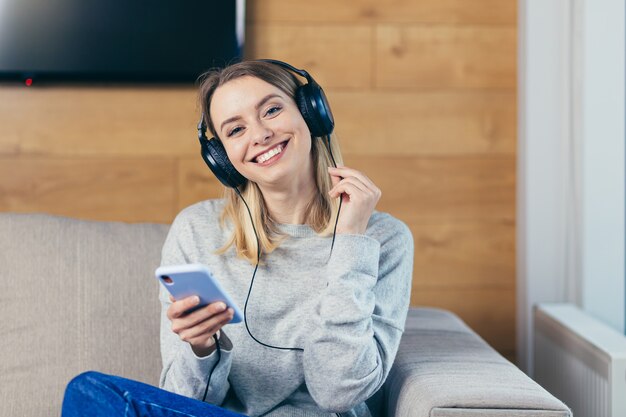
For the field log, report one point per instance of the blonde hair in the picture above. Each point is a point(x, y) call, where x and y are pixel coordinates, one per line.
point(319, 213)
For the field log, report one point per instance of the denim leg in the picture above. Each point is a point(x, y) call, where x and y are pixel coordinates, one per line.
point(95, 394)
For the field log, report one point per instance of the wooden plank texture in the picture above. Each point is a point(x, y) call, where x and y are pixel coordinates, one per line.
point(132, 190)
point(130, 121)
point(464, 255)
point(335, 56)
point(93, 121)
point(445, 57)
point(389, 123)
point(490, 312)
point(416, 190)
point(196, 182)
point(397, 11)
point(435, 190)
point(424, 96)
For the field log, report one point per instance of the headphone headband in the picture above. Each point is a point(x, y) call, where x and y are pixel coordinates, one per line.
point(290, 67)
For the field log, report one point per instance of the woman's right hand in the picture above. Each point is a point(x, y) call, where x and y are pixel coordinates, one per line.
point(197, 328)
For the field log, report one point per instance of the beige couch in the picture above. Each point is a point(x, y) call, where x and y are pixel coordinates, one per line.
point(80, 295)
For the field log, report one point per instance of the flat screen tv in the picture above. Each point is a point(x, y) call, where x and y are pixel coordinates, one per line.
point(118, 40)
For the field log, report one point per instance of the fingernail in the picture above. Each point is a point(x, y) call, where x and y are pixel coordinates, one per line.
point(221, 307)
point(231, 311)
point(196, 299)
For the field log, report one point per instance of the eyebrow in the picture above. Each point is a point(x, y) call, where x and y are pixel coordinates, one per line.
point(259, 104)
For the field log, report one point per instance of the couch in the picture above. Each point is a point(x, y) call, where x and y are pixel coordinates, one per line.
point(80, 295)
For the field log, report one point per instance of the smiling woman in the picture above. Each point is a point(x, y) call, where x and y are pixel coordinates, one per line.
point(320, 332)
point(262, 108)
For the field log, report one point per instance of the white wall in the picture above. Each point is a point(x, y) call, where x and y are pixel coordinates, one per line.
point(543, 127)
point(602, 117)
point(570, 197)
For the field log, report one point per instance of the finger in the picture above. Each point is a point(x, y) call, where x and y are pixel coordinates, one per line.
point(179, 308)
point(203, 314)
point(349, 172)
point(209, 326)
point(356, 182)
point(172, 299)
point(334, 179)
point(371, 187)
point(349, 189)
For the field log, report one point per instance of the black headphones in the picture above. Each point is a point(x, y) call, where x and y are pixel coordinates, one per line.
point(313, 106)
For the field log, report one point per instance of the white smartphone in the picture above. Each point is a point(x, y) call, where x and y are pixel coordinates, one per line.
point(195, 279)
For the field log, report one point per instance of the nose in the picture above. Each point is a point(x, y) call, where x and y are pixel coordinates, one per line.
point(261, 133)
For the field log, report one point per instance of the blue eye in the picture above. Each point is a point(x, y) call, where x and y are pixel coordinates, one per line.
point(273, 110)
point(234, 131)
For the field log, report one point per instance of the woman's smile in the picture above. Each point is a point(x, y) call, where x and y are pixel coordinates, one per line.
point(272, 155)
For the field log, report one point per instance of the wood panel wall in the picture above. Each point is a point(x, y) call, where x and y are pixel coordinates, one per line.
point(424, 95)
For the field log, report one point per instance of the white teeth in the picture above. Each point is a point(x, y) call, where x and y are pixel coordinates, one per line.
point(267, 155)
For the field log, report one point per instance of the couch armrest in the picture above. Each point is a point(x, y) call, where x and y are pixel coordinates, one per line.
point(445, 369)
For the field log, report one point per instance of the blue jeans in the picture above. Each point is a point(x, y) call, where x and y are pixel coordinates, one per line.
point(94, 394)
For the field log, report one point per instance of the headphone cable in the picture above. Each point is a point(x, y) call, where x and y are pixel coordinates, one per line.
point(330, 151)
point(258, 256)
point(219, 357)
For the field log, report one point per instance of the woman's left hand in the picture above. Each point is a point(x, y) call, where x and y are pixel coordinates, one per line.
point(359, 195)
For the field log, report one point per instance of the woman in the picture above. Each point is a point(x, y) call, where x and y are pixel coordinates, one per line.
point(325, 309)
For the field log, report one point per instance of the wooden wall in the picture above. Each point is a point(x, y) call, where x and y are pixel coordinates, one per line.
point(424, 95)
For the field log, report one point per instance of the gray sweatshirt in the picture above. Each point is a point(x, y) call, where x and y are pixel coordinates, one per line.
point(346, 312)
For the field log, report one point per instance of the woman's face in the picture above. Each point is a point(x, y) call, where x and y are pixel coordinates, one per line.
point(262, 130)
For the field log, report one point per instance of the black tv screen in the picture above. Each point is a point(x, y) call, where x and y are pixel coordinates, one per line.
point(118, 40)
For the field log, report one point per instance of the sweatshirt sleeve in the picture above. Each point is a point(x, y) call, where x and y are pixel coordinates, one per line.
point(359, 318)
point(183, 372)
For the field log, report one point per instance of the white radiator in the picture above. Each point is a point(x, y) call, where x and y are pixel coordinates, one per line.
point(580, 360)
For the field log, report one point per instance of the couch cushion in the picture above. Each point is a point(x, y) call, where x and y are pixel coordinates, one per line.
point(495, 412)
point(443, 369)
point(70, 288)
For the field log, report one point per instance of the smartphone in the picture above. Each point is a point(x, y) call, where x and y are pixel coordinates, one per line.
point(195, 279)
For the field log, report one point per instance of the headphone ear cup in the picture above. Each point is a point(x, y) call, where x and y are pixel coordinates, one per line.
point(315, 109)
point(215, 156)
